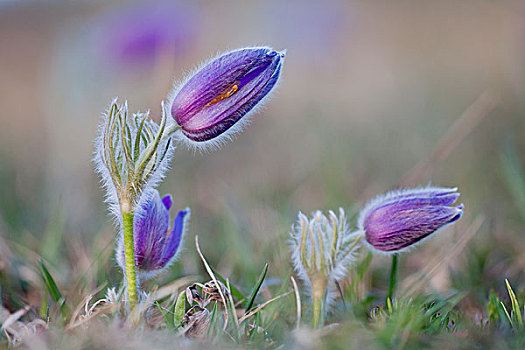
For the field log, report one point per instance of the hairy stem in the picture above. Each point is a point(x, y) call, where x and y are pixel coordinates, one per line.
point(393, 277)
point(129, 253)
point(318, 311)
point(319, 298)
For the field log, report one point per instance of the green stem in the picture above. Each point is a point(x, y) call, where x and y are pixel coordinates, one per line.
point(319, 304)
point(393, 275)
point(317, 311)
point(129, 253)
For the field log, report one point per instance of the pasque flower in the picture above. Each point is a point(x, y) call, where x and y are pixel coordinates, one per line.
point(132, 156)
point(133, 152)
point(156, 245)
point(322, 249)
point(216, 99)
point(399, 219)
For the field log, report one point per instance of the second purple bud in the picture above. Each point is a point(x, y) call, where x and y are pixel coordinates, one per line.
point(400, 219)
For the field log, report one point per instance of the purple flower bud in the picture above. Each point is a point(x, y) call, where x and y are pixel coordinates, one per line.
point(400, 219)
point(220, 94)
point(156, 245)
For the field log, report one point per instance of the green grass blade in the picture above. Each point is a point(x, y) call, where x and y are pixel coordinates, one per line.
point(52, 289)
point(516, 312)
point(273, 310)
point(180, 309)
point(44, 308)
point(493, 307)
point(213, 322)
point(256, 288)
point(164, 313)
point(446, 305)
point(507, 314)
point(502, 313)
point(235, 292)
point(233, 313)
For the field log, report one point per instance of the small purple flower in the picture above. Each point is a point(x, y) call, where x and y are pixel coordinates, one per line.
point(220, 94)
point(141, 31)
point(400, 219)
point(156, 246)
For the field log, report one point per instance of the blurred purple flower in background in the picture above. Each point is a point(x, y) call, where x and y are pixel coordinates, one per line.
point(220, 94)
point(156, 246)
point(139, 32)
point(327, 26)
point(400, 219)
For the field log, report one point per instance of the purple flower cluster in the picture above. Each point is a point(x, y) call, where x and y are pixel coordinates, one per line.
point(400, 219)
point(209, 105)
point(156, 246)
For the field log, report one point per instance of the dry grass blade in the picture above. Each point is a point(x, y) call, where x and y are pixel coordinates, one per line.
point(173, 287)
point(259, 308)
point(446, 255)
point(83, 304)
point(106, 309)
point(455, 134)
point(15, 330)
point(14, 317)
point(212, 275)
point(297, 300)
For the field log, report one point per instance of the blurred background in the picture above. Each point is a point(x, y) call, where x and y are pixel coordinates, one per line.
point(374, 95)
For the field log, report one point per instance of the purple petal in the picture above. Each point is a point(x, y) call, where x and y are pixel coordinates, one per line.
point(408, 204)
point(397, 196)
point(149, 228)
point(390, 229)
point(174, 238)
point(168, 201)
point(445, 198)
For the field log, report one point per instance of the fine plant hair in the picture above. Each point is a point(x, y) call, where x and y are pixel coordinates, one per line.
point(338, 255)
point(132, 156)
point(101, 167)
point(230, 134)
point(390, 197)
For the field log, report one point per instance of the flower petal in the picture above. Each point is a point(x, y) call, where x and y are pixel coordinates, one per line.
point(175, 237)
point(390, 230)
point(168, 201)
point(149, 230)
